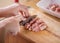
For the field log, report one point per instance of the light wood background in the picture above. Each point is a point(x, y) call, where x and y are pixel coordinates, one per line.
point(50, 35)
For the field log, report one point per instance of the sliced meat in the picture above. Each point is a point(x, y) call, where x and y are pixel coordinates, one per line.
point(27, 25)
point(33, 21)
point(39, 21)
point(42, 26)
point(36, 25)
point(58, 9)
point(36, 29)
point(54, 7)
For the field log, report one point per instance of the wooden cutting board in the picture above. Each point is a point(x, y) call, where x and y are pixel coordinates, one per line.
point(50, 35)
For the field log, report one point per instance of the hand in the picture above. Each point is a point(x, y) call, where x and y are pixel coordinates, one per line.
point(14, 9)
point(20, 8)
point(11, 24)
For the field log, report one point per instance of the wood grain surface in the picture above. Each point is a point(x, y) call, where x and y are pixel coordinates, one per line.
point(50, 35)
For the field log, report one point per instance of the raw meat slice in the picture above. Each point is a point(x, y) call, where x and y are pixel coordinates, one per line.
point(36, 25)
point(54, 7)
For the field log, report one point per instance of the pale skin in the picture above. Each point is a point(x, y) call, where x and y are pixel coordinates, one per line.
point(11, 12)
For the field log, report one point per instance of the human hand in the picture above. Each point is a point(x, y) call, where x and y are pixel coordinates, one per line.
point(11, 24)
point(14, 9)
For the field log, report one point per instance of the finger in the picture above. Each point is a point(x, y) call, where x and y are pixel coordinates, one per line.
point(25, 10)
point(19, 17)
point(10, 19)
point(23, 14)
point(6, 21)
point(26, 14)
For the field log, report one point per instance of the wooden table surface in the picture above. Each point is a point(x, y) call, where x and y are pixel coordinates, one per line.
point(50, 35)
